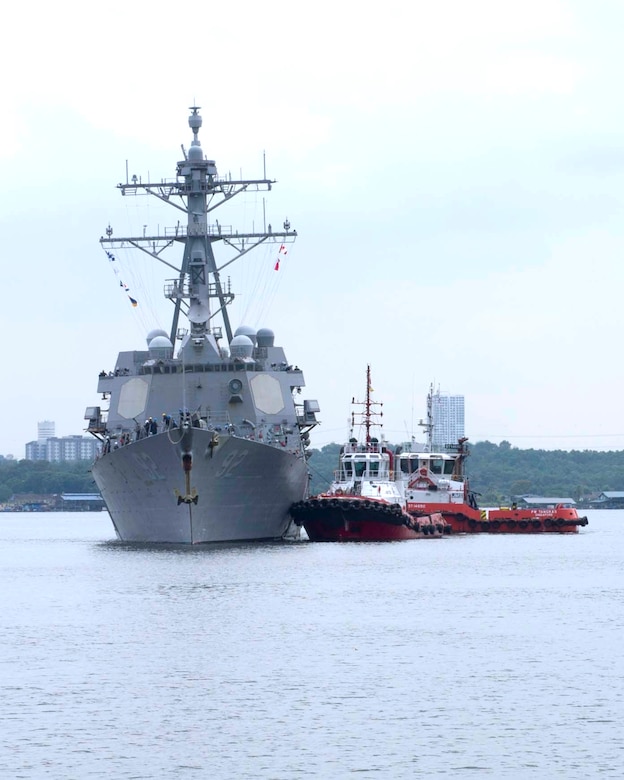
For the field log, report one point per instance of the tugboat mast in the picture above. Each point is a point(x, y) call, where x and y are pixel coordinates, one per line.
point(428, 426)
point(368, 413)
point(460, 448)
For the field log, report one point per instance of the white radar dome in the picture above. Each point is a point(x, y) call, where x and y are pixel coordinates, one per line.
point(160, 347)
point(156, 332)
point(241, 347)
point(266, 337)
point(246, 330)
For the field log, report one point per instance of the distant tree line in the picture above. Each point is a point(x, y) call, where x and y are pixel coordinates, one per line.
point(498, 472)
point(39, 476)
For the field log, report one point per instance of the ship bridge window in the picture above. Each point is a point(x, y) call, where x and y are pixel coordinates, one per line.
point(360, 467)
point(373, 468)
point(409, 465)
point(347, 468)
point(448, 466)
point(436, 465)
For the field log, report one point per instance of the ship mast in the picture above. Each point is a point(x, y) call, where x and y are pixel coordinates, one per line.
point(460, 448)
point(197, 291)
point(368, 413)
point(428, 426)
point(463, 452)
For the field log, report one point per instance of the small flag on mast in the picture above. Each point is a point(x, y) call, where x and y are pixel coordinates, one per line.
point(282, 251)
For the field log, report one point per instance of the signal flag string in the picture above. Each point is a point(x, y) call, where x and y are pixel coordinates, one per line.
point(112, 259)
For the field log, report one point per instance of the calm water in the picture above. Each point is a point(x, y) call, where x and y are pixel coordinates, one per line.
point(464, 657)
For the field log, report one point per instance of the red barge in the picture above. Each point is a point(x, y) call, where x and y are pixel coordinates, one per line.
point(559, 519)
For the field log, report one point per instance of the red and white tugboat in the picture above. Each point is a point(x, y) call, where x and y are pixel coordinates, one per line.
point(435, 482)
point(364, 502)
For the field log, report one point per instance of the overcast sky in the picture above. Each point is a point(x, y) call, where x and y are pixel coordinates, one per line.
point(455, 171)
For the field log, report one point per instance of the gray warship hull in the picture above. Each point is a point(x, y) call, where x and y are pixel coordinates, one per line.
point(244, 490)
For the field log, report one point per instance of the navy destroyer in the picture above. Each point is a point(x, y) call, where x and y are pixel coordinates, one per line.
point(207, 443)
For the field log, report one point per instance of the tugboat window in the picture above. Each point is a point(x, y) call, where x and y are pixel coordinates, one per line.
point(436, 465)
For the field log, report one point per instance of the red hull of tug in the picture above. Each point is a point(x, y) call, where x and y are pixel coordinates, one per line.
point(320, 530)
point(458, 516)
point(330, 519)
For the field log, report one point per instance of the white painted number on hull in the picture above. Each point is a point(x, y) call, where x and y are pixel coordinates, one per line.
point(148, 466)
point(231, 462)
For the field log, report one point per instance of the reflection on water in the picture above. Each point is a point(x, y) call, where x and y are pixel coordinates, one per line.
point(483, 656)
point(192, 549)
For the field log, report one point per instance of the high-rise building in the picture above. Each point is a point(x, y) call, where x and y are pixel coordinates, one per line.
point(45, 430)
point(72, 448)
point(447, 419)
point(60, 449)
point(36, 450)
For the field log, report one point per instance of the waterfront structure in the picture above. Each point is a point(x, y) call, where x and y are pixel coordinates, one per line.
point(609, 499)
point(54, 502)
point(545, 502)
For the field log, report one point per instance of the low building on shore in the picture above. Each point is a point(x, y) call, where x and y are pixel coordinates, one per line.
point(54, 502)
point(609, 499)
point(544, 502)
